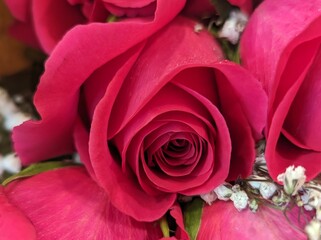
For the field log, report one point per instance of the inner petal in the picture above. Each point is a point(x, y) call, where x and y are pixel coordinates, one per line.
point(302, 124)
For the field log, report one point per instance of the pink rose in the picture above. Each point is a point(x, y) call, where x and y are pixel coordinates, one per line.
point(65, 204)
point(151, 116)
point(43, 23)
point(223, 221)
point(281, 47)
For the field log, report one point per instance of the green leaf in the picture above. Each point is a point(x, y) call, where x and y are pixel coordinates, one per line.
point(38, 168)
point(164, 227)
point(192, 217)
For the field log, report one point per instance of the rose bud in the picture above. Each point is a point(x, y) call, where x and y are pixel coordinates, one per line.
point(65, 203)
point(150, 119)
point(42, 24)
point(281, 47)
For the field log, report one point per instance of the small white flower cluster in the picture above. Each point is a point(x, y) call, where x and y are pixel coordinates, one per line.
point(10, 113)
point(10, 116)
point(227, 192)
point(234, 26)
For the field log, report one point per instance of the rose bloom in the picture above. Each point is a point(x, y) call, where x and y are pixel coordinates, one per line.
point(281, 47)
point(65, 204)
point(151, 116)
point(43, 23)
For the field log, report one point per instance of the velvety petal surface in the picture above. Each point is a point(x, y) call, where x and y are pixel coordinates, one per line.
point(13, 223)
point(67, 204)
point(221, 220)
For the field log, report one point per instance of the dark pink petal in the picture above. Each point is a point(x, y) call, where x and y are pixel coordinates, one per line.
point(199, 8)
point(52, 19)
point(25, 32)
point(52, 135)
point(242, 96)
point(68, 204)
point(13, 223)
point(302, 122)
point(19, 9)
point(22, 28)
point(223, 221)
point(176, 213)
point(174, 55)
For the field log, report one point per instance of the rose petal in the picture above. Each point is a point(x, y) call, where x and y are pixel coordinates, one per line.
point(302, 122)
point(67, 204)
point(52, 19)
point(223, 221)
point(13, 223)
point(19, 9)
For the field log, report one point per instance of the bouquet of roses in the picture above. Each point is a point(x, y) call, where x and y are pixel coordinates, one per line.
point(164, 119)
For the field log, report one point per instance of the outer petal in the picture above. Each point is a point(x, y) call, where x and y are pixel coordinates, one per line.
point(287, 73)
point(52, 135)
point(19, 8)
point(22, 28)
point(67, 204)
point(13, 223)
point(52, 19)
point(222, 221)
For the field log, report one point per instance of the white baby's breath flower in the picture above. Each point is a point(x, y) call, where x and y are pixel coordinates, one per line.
point(224, 192)
point(313, 230)
point(315, 198)
point(305, 200)
point(209, 198)
point(234, 26)
point(267, 189)
point(198, 27)
point(9, 111)
point(293, 179)
point(240, 200)
point(256, 184)
point(10, 163)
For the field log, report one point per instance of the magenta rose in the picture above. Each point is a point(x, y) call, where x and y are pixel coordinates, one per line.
point(44, 23)
point(281, 47)
point(151, 116)
point(65, 204)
